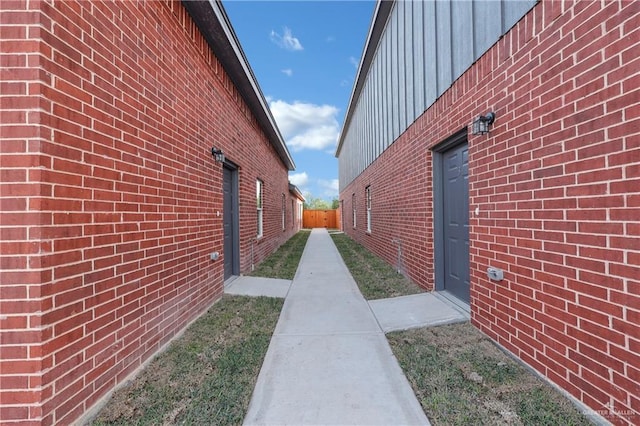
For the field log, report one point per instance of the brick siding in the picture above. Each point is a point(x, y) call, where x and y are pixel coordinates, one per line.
point(557, 184)
point(110, 195)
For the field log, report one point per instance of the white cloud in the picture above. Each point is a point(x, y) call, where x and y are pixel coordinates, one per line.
point(330, 188)
point(306, 125)
point(287, 71)
point(286, 40)
point(331, 39)
point(299, 179)
point(354, 61)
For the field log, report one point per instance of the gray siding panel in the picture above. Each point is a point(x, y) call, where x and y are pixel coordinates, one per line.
point(423, 46)
point(444, 62)
point(379, 107)
point(487, 24)
point(375, 136)
point(419, 81)
point(401, 100)
point(409, 66)
point(430, 53)
point(513, 10)
point(461, 37)
point(395, 73)
point(386, 87)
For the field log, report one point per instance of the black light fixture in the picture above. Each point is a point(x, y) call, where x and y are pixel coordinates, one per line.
point(217, 154)
point(482, 123)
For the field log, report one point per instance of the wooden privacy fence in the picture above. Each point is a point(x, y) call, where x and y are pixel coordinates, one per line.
point(321, 219)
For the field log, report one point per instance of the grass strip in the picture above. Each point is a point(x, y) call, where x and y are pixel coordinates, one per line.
point(375, 277)
point(283, 263)
point(461, 378)
point(206, 376)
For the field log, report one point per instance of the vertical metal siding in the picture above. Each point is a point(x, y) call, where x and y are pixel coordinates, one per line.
point(395, 72)
point(513, 10)
point(430, 53)
point(461, 37)
point(444, 59)
point(402, 67)
point(388, 88)
point(409, 65)
point(419, 64)
point(424, 47)
point(373, 152)
point(370, 118)
point(378, 109)
point(490, 14)
point(383, 123)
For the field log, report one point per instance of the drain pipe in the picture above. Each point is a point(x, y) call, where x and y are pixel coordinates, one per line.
point(398, 242)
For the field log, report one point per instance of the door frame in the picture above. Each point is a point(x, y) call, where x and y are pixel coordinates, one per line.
point(438, 152)
point(235, 219)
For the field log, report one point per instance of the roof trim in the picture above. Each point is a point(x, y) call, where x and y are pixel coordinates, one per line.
point(215, 26)
point(296, 191)
point(378, 22)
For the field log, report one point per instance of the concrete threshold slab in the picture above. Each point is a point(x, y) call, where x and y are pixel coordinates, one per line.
point(258, 286)
point(414, 311)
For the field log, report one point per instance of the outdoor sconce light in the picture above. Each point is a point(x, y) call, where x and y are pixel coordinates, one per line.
point(482, 123)
point(217, 154)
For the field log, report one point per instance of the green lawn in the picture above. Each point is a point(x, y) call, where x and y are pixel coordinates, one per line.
point(375, 277)
point(461, 378)
point(284, 262)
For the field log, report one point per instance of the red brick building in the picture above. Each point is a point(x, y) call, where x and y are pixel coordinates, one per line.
point(297, 206)
point(549, 198)
point(118, 226)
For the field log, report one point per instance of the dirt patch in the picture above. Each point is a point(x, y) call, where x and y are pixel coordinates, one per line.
point(461, 378)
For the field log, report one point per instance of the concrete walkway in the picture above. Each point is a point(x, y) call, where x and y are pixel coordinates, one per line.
point(415, 311)
point(258, 286)
point(329, 362)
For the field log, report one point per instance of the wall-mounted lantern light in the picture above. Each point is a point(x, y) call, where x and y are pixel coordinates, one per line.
point(482, 123)
point(217, 154)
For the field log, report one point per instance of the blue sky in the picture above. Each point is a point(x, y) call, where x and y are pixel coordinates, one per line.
point(305, 55)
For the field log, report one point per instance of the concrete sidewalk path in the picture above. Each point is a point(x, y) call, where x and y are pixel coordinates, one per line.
point(415, 311)
point(329, 362)
point(258, 286)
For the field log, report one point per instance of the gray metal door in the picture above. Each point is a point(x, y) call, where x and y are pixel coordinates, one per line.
point(456, 220)
point(230, 222)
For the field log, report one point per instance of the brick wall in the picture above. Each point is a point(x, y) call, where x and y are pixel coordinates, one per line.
point(557, 184)
point(110, 194)
point(294, 212)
